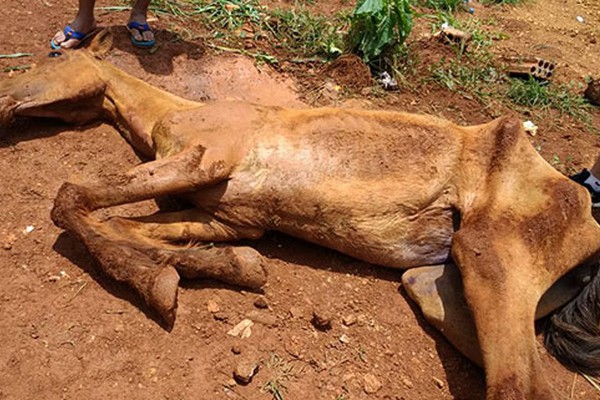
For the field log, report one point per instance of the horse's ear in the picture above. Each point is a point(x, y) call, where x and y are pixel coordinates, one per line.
point(101, 44)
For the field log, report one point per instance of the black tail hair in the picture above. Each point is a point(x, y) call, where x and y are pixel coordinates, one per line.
point(573, 334)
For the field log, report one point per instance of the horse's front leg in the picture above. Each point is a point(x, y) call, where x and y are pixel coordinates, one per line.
point(503, 283)
point(184, 172)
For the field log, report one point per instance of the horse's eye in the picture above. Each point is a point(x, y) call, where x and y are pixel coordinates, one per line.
point(53, 54)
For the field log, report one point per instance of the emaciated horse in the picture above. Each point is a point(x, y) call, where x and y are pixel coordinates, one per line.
point(389, 188)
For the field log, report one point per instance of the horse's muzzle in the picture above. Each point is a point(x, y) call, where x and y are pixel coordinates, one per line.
point(7, 109)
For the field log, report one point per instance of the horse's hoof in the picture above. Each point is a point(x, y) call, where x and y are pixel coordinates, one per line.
point(163, 295)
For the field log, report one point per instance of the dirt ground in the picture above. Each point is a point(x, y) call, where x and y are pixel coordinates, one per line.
point(68, 332)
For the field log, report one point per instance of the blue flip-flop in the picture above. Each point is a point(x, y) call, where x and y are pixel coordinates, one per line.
point(71, 33)
point(141, 28)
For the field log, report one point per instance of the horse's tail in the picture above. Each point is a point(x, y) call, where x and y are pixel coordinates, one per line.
point(573, 333)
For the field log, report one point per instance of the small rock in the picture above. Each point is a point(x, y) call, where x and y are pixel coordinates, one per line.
point(263, 318)
point(407, 383)
point(438, 382)
point(230, 383)
point(245, 371)
point(362, 320)
point(261, 303)
point(344, 339)
point(8, 241)
point(221, 316)
point(212, 307)
point(296, 312)
point(321, 320)
point(236, 349)
point(242, 329)
point(294, 349)
point(371, 384)
point(349, 320)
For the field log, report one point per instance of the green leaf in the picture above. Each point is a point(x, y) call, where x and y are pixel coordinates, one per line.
point(369, 7)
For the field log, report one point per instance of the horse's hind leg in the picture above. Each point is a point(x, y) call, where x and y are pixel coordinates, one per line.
point(156, 283)
point(185, 225)
point(164, 233)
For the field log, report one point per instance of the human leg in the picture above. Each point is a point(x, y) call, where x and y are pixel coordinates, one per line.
point(141, 33)
point(83, 24)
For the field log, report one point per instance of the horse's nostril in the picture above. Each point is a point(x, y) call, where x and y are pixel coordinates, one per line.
point(7, 107)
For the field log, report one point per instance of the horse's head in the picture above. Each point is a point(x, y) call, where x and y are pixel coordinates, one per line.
point(67, 85)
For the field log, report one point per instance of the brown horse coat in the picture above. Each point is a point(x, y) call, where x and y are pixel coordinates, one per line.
point(390, 188)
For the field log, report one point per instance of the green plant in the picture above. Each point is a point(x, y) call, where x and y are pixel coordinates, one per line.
point(379, 27)
point(229, 14)
point(166, 7)
point(280, 371)
point(305, 34)
point(534, 94)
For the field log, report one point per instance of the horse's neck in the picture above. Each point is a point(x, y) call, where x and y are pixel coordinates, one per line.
point(135, 107)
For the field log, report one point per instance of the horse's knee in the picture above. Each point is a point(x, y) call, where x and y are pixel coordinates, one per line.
point(70, 201)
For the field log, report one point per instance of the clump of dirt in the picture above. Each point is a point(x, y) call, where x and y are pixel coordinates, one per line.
point(349, 71)
point(592, 93)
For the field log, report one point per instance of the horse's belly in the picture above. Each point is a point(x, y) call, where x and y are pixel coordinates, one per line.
point(371, 229)
point(397, 241)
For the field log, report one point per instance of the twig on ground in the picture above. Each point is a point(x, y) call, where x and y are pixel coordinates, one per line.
point(593, 381)
point(16, 55)
point(78, 291)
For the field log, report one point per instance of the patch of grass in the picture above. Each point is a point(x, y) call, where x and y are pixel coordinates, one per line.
point(471, 79)
point(280, 371)
point(378, 28)
point(299, 31)
point(230, 14)
point(537, 95)
point(172, 7)
point(472, 71)
point(295, 30)
point(17, 68)
point(406, 63)
point(443, 5)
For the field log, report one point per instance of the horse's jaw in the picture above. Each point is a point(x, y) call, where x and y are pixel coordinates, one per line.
point(85, 108)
